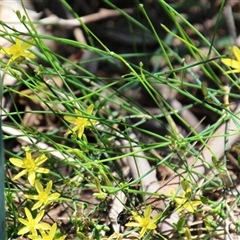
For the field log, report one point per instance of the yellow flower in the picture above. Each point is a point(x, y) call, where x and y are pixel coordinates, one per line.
point(231, 62)
point(17, 51)
point(44, 197)
point(185, 202)
point(80, 122)
point(31, 224)
point(146, 222)
point(47, 236)
point(30, 166)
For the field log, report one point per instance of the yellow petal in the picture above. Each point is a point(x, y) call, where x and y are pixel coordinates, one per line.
point(19, 174)
point(34, 197)
point(28, 214)
point(80, 131)
point(236, 53)
point(44, 226)
point(151, 226)
point(43, 170)
point(36, 205)
point(17, 162)
point(90, 109)
point(38, 186)
point(180, 201)
point(23, 230)
point(232, 71)
point(231, 63)
point(31, 177)
point(18, 42)
point(53, 230)
point(77, 112)
point(39, 160)
point(133, 224)
point(26, 45)
point(49, 187)
point(23, 221)
point(28, 155)
point(54, 196)
point(191, 206)
point(142, 232)
point(148, 212)
point(39, 216)
point(70, 119)
point(6, 51)
point(157, 217)
point(67, 133)
point(27, 55)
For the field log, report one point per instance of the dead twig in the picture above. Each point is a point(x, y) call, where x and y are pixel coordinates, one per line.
point(30, 140)
point(102, 14)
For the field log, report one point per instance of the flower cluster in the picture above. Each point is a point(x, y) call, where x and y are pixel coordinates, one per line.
point(33, 226)
point(32, 168)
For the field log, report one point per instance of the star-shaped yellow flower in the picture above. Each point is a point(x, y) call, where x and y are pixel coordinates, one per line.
point(146, 222)
point(32, 224)
point(48, 236)
point(80, 122)
point(30, 165)
point(231, 62)
point(184, 202)
point(18, 51)
point(44, 197)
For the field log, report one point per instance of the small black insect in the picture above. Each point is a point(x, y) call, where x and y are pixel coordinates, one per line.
point(123, 217)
